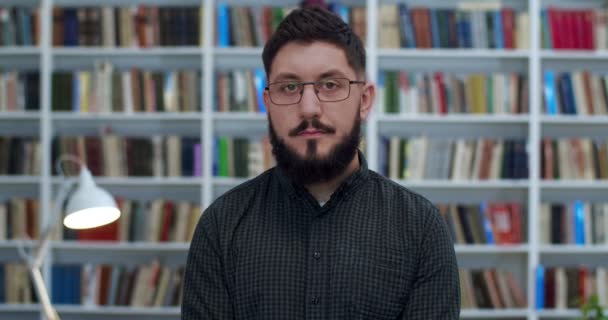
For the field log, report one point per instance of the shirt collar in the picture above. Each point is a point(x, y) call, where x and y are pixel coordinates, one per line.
point(296, 190)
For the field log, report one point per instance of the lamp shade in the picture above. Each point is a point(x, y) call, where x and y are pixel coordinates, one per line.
point(89, 206)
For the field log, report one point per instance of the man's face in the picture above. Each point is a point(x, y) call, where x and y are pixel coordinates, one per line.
point(313, 131)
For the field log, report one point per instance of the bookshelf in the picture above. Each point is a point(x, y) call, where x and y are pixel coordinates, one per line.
point(207, 124)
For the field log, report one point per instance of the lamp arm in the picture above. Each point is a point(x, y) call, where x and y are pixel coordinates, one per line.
point(34, 262)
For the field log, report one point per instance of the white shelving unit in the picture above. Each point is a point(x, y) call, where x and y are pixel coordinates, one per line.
point(207, 124)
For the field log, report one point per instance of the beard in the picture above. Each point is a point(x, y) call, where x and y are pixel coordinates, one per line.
point(313, 168)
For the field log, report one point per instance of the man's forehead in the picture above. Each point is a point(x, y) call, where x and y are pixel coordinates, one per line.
point(310, 60)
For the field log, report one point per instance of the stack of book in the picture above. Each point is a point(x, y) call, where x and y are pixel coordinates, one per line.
point(19, 26)
point(569, 287)
point(15, 284)
point(240, 91)
point(19, 219)
point(576, 93)
point(241, 157)
point(490, 289)
point(579, 223)
point(574, 29)
point(576, 158)
point(19, 91)
point(20, 156)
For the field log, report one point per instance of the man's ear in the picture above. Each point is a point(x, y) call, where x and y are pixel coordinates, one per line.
point(368, 97)
point(266, 98)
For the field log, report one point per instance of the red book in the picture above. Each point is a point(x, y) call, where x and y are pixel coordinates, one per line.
point(576, 22)
point(508, 27)
point(589, 29)
point(567, 29)
point(555, 23)
point(583, 273)
point(516, 219)
point(167, 223)
point(443, 106)
point(500, 218)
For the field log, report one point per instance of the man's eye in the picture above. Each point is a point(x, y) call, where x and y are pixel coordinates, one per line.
point(290, 87)
point(329, 85)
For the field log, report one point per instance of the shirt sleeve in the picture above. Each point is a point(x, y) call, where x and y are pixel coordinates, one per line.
point(436, 288)
point(205, 293)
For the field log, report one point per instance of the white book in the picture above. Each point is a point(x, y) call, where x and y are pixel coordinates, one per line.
point(182, 219)
point(3, 221)
point(109, 26)
point(496, 162)
point(561, 291)
point(477, 159)
point(545, 223)
point(127, 92)
point(601, 286)
point(394, 154)
point(158, 163)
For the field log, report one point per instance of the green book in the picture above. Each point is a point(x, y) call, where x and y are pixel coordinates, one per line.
point(224, 163)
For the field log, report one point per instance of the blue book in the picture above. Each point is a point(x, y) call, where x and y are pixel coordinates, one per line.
point(550, 92)
point(259, 79)
point(579, 222)
point(499, 42)
point(25, 26)
point(340, 10)
point(487, 226)
point(56, 288)
point(408, 40)
point(70, 27)
point(468, 30)
point(540, 287)
point(223, 25)
point(569, 94)
point(434, 29)
point(216, 157)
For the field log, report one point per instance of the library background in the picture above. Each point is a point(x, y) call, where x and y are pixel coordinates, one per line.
point(494, 110)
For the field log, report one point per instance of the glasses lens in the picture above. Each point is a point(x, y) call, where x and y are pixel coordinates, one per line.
point(285, 92)
point(333, 89)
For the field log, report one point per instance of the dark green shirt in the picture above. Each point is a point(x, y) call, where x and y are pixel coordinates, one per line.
point(267, 250)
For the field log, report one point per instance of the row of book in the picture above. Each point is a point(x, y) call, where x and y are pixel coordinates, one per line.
point(133, 26)
point(401, 26)
point(107, 89)
point(578, 92)
point(19, 26)
point(569, 287)
point(19, 91)
point(497, 223)
point(418, 158)
point(490, 289)
point(574, 158)
point(159, 220)
point(20, 155)
point(19, 219)
point(116, 156)
point(571, 28)
point(15, 284)
point(439, 93)
point(252, 26)
point(241, 157)
point(148, 285)
point(240, 91)
point(581, 223)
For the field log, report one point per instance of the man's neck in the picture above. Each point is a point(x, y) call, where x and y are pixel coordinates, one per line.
point(322, 191)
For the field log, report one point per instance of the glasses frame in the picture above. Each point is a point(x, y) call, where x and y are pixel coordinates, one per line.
point(267, 88)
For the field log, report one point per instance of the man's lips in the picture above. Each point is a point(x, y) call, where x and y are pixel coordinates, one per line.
point(311, 133)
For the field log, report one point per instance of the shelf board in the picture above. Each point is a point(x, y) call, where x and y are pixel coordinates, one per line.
point(19, 123)
point(574, 54)
point(20, 180)
point(473, 191)
point(15, 51)
point(68, 312)
point(240, 123)
point(119, 51)
point(573, 255)
point(490, 256)
point(558, 314)
point(155, 58)
point(9, 249)
point(572, 126)
point(237, 57)
point(456, 125)
point(493, 313)
point(468, 54)
point(80, 3)
point(19, 186)
point(168, 253)
point(150, 188)
point(571, 190)
point(20, 311)
point(136, 124)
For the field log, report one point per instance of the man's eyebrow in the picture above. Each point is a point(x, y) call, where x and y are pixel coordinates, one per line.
point(286, 76)
point(332, 73)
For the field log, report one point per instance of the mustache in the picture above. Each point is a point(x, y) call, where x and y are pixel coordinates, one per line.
point(315, 123)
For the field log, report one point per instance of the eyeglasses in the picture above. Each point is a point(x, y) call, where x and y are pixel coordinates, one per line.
point(327, 90)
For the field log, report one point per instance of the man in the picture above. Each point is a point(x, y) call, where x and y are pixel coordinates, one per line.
point(319, 236)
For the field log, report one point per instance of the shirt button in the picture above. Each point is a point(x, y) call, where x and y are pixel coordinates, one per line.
point(315, 301)
point(317, 255)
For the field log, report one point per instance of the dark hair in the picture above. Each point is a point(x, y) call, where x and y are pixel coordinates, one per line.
point(316, 23)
